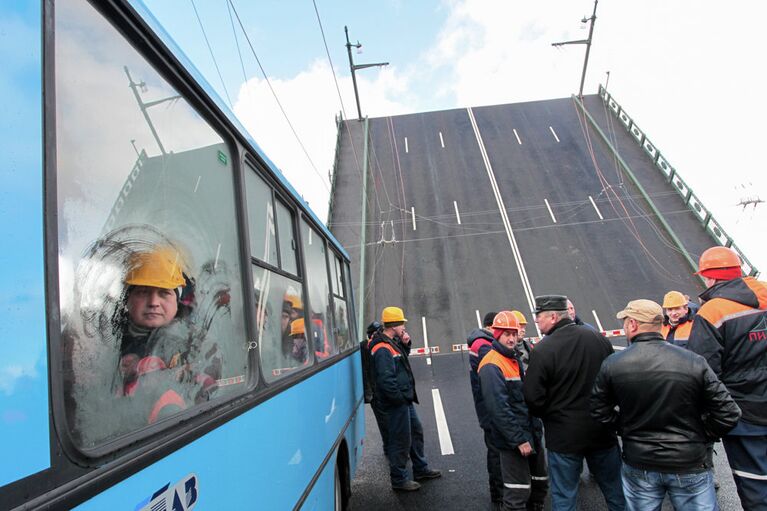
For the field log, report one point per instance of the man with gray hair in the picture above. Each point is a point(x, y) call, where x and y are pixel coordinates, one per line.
point(557, 388)
point(668, 405)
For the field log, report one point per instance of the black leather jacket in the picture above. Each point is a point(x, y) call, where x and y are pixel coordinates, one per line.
point(670, 405)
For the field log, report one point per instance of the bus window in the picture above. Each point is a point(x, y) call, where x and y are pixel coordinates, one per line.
point(280, 324)
point(263, 245)
point(341, 313)
point(150, 286)
point(319, 292)
point(287, 239)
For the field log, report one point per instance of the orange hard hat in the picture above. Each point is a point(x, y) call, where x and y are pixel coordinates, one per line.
point(506, 320)
point(297, 327)
point(159, 268)
point(718, 257)
point(674, 299)
point(294, 301)
point(520, 317)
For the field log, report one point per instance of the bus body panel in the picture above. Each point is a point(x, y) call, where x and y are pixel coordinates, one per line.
point(259, 459)
point(23, 355)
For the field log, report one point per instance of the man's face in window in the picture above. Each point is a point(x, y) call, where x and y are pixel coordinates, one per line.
point(152, 307)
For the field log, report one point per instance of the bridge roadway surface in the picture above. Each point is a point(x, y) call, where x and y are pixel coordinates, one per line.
point(440, 189)
point(463, 485)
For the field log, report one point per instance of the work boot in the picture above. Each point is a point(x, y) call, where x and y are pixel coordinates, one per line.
point(406, 486)
point(428, 474)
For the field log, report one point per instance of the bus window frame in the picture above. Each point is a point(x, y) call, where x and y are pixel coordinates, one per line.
point(196, 101)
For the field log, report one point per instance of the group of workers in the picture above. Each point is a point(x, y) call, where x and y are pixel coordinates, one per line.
point(689, 377)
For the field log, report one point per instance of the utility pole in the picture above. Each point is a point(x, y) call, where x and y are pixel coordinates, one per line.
point(355, 67)
point(146, 106)
point(587, 42)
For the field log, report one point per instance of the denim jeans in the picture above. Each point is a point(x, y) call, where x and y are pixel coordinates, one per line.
point(565, 474)
point(645, 490)
point(405, 434)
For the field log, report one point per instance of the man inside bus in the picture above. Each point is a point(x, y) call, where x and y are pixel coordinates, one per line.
point(151, 345)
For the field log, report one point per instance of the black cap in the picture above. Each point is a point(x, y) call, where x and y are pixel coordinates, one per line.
point(550, 303)
point(488, 319)
point(373, 328)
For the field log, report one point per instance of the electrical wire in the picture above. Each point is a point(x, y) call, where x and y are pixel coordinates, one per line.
point(212, 56)
point(276, 98)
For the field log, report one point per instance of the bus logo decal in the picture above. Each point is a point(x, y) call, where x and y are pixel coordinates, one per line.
point(181, 497)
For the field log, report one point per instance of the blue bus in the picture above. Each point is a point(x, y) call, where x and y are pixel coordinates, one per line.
point(176, 325)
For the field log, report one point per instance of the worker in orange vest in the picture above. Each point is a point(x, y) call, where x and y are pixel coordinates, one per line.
point(677, 321)
point(514, 432)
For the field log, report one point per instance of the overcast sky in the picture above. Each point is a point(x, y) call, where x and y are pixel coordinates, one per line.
point(687, 71)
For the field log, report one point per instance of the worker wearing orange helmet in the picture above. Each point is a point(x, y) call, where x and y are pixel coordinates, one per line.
point(514, 432)
point(395, 391)
point(524, 346)
point(677, 320)
point(730, 331)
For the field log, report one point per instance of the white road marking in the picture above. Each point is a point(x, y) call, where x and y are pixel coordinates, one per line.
point(426, 341)
point(505, 218)
point(197, 184)
point(550, 212)
point(596, 208)
point(218, 253)
point(445, 442)
point(599, 323)
point(479, 321)
point(619, 348)
point(554, 133)
point(441, 140)
point(457, 214)
point(517, 135)
point(406, 149)
point(412, 214)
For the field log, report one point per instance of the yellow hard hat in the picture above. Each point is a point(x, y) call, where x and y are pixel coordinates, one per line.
point(295, 302)
point(674, 299)
point(159, 268)
point(392, 315)
point(297, 327)
point(520, 317)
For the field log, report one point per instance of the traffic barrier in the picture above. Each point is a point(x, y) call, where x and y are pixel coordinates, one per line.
point(423, 351)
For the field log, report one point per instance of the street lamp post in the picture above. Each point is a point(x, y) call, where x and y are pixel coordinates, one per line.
point(587, 42)
point(355, 67)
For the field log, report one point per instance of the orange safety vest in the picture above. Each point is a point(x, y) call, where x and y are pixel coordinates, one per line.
point(509, 367)
point(681, 331)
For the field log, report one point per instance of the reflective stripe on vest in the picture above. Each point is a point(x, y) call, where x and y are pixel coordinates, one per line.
point(394, 352)
point(508, 366)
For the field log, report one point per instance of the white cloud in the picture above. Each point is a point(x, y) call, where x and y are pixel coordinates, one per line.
point(311, 102)
point(10, 376)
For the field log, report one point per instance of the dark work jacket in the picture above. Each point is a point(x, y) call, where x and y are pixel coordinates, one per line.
point(368, 374)
point(394, 382)
point(561, 373)
point(480, 342)
point(671, 404)
point(579, 321)
point(500, 376)
point(730, 331)
point(678, 334)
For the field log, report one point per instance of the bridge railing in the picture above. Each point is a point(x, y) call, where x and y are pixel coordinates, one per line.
point(704, 215)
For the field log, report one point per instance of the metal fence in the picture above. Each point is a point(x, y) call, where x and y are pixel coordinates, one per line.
point(712, 226)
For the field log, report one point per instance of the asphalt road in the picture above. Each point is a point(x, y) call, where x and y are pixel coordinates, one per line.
point(463, 485)
point(472, 210)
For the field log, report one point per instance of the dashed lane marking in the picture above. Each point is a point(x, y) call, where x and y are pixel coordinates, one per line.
point(445, 442)
point(554, 133)
point(550, 211)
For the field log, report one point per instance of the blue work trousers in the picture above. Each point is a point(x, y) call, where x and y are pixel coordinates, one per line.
point(405, 434)
point(748, 460)
point(565, 471)
point(645, 490)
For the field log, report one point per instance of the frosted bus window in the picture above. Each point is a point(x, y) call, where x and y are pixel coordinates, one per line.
point(263, 244)
point(319, 292)
point(287, 239)
point(150, 284)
